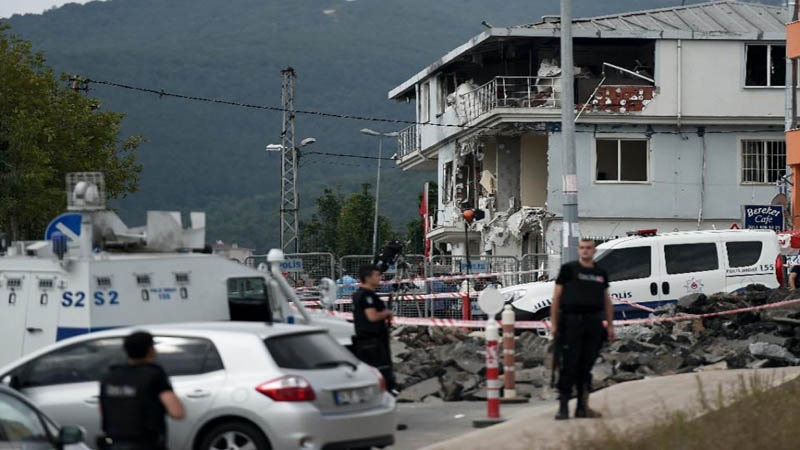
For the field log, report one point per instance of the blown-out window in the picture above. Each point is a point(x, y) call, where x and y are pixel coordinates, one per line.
point(765, 65)
point(622, 160)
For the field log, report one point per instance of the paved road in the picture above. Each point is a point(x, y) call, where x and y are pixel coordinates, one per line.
point(431, 423)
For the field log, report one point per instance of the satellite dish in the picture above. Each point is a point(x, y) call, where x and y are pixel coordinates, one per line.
point(780, 200)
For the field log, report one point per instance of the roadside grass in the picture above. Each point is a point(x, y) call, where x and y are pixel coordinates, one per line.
point(753, 416)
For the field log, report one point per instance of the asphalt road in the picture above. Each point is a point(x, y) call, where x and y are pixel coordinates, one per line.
point(430, 423)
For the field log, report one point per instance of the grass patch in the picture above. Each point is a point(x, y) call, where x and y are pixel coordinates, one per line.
point(755, 416)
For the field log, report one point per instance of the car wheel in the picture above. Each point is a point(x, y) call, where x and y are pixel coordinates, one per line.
point(234, 436)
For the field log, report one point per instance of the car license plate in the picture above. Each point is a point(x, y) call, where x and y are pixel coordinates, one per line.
point(353, 396)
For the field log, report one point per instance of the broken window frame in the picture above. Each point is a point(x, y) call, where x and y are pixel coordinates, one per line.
point(770, 64)
point(447, 182)
point(755, 158)
point(619, 179)
point(425, 102)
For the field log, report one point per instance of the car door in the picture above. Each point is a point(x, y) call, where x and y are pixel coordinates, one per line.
point(630, 271)
point(197, 374)
point(64, 383)
point(692, 267)
point(21, 427)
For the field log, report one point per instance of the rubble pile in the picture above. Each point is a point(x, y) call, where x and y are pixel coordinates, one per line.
point(448, 364)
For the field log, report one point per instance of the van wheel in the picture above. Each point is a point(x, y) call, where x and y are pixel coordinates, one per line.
point(542, 314)
point(234, 435)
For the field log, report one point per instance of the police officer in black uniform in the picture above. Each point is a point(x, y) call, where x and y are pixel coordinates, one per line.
point(134, 398)
point(580, 302)
point(371, 320)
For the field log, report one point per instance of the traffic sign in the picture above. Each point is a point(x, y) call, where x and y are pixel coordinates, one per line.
point(491, 301)
point(68, 224)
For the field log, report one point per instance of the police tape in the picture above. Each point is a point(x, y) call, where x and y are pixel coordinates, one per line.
point(544, 325)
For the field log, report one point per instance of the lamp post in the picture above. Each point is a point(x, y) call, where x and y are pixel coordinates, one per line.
point(380, 137)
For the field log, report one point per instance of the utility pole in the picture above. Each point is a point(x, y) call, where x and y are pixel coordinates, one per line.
point(290, 242)
point(570, 233)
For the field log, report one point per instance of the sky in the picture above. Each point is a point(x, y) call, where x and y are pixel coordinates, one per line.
point(11, 7)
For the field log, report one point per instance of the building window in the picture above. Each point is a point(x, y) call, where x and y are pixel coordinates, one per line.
point(765, 65)
point(447, 182)
point(763, 161)
point(425, 102)
point(622, 160)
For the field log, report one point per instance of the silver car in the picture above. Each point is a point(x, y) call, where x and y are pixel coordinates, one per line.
point(24, 427)
point(247, 386)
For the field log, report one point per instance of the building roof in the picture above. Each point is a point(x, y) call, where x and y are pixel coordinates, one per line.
point(729, 17)
point(720, 20)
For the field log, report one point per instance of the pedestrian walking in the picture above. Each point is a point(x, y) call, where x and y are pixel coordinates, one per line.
point(580, 301)
point(371, 319)
point(134, 399)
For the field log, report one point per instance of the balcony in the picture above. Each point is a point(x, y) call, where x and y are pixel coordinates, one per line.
point(509, 92)
point(407, 142)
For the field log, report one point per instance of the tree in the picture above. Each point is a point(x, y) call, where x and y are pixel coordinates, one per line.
point(320, 234)
point(46, 131)
point(355, 224)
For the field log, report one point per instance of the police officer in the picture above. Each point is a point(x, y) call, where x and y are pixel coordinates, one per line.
point(580, 301)
point(134, 398)
point(371, 320)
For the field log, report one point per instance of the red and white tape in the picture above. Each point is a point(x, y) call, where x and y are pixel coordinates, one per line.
point(545, 325)
point(451, 277)
point(404, 297)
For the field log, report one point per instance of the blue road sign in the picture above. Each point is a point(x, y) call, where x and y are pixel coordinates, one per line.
point(68, 224)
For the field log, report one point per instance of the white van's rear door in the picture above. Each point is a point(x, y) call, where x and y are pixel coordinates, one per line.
point(691, 267)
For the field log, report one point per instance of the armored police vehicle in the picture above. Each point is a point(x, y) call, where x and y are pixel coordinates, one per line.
point(93, 273)
point(648, 269)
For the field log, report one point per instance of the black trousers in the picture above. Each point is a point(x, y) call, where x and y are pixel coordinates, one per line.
point(376, 352)
point(580, 337)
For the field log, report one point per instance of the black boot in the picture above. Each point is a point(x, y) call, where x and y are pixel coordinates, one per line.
point(563, 407)
point(583, 411)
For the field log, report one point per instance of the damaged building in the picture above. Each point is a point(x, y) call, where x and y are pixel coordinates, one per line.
point(679, 123)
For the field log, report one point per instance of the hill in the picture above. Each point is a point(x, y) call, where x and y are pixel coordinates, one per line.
point(347, 54)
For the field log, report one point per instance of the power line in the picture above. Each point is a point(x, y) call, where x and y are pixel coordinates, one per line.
point(163, 93)
point(336, 163)
point(343, 155)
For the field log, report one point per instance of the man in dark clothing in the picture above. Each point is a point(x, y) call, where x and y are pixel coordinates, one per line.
point(794, 283)
point(580, 301)
point(371, 320)
point(134, 398)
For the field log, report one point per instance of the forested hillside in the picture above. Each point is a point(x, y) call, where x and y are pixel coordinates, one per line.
point(210, 157)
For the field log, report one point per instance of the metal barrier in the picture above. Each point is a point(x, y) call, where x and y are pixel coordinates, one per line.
point(405, 306)
point(535, 267)
point(450, 308)
point(304, 270)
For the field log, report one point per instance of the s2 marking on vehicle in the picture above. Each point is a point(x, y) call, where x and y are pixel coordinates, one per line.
point(77, 299)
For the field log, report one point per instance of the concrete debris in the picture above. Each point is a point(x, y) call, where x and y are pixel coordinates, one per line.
point(448, 364)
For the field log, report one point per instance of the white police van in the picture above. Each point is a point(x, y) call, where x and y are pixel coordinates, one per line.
point(650, 269)
point(95, 273)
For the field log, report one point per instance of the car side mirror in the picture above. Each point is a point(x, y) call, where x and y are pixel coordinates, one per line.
point(70, 434)
point(11, 381)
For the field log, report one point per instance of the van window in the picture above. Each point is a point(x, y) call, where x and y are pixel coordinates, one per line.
point(743, 254)
point(249, 290)
point(686, 258)
point(626, 263)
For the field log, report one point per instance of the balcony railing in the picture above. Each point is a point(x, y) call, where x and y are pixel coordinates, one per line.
point(509, 92)
point(407, 141)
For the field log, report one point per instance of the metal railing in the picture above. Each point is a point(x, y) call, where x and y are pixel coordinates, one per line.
point(407, 141)
point(511, 92)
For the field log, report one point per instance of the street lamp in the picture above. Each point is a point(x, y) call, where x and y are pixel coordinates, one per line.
point(380, 137)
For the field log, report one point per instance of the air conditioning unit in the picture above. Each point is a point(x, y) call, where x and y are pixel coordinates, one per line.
point(86, 191)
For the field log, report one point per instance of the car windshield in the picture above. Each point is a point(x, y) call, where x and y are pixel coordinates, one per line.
point(305, 351)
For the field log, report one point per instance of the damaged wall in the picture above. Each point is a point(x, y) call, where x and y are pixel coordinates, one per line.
point(508, 172)
point(533, 170)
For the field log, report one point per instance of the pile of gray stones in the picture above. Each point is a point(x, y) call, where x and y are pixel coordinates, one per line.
point(434, 364)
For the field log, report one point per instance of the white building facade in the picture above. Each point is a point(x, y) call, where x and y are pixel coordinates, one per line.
point(680, 123)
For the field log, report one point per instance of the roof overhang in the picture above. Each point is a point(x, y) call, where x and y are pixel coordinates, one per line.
point(550, 33)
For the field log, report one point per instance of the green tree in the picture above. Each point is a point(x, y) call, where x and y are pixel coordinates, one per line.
point(355, 224)
point(320, 234)
point(46, 131)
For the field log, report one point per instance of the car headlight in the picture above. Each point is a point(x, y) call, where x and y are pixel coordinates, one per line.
point(512, 296)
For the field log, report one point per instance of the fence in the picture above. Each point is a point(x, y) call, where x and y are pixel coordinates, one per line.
point(511, 92)
point(431, 289)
